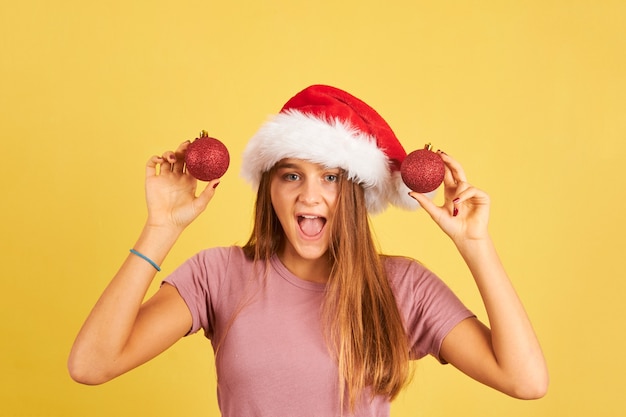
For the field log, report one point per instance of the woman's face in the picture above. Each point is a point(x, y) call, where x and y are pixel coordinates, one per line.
point(304, 196)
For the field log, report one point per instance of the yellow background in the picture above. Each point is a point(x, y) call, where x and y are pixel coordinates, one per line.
point(529, 96)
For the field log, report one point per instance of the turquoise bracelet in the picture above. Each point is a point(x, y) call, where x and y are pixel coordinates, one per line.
point(144, 257)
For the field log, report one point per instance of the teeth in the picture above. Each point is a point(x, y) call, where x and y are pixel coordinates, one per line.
point(309, 217)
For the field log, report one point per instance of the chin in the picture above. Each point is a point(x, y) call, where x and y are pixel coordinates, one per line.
point(312, 254)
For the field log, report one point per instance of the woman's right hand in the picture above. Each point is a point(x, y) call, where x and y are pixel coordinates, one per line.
point(122, 332)
point(171, 191)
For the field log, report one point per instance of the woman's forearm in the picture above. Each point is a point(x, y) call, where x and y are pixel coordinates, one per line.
point(515, 344)
point(108, 327)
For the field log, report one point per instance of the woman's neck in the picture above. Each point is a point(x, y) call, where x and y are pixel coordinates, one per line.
point(314, 270)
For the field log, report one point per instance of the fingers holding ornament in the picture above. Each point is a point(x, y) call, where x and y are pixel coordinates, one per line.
point(423, 171)
point(471, 196)
point(152, 165)
point(205, 159)
point(177, 158)
point(455, 174)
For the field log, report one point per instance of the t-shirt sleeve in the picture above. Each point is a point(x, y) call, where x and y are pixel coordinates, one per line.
point(198, 282)
point(429, 307)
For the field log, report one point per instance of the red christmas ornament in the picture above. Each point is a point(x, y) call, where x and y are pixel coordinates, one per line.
point(207, 158)
point(423, 170)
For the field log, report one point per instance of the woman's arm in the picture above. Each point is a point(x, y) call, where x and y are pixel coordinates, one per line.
point(122, 332)
point(507, 356)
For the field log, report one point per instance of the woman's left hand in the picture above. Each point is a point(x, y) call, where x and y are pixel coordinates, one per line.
point(464, 214)
point(507, 356)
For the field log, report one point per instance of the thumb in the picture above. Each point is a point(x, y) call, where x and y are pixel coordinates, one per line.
point(427, 204)
point(203, 199)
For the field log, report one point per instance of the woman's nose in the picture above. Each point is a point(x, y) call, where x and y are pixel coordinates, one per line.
point(310, 193)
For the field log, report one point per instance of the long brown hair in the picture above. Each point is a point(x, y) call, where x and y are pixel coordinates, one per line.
point(364, 329)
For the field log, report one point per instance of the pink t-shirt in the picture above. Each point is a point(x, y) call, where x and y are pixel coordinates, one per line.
point(272, 358)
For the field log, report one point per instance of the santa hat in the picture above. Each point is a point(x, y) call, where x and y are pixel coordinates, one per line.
point(326, 125)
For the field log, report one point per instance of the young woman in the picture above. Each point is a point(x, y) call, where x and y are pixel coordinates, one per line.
point(307, 319)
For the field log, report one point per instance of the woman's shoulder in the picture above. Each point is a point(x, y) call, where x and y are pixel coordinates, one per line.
point(408, 274)
point(395, 264)
point(213, 268)
point(220, 254)
point(217, 260)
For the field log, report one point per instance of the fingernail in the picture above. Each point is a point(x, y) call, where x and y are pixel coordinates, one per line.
point(440, 151)
point(216, 184)
point(456, 200)
point(455, 212)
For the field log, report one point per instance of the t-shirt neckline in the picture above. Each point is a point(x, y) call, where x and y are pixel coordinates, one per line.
point(282, 270)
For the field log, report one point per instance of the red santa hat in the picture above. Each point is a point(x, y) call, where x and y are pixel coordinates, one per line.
point(326, 125)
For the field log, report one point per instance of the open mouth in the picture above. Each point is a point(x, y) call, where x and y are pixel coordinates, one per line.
point(311, 226)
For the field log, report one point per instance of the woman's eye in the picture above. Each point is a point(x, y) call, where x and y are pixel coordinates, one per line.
point(332, 178)
point(292, 177)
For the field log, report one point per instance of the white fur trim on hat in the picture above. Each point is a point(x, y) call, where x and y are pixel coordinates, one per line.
point(332, 143)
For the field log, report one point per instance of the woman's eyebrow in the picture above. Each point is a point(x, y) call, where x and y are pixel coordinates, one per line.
point(287, 165)
point(295, 165)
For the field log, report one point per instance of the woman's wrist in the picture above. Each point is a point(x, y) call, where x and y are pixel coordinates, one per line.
point(473, 244)
point(155, 242)
point(477, 252)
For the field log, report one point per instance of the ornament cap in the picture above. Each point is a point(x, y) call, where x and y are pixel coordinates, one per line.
point(428, 146)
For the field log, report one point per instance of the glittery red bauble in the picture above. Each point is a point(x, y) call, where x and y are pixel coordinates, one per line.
point(422, 170)
point(207, 158)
